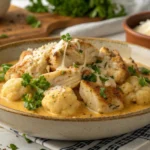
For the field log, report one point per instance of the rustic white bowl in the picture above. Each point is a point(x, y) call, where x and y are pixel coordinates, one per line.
point(4, 5)
point(76, 128)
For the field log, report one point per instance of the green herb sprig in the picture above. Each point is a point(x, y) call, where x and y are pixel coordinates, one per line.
point(66, 37)
point(32, 101)
point(132, 70)
point(91, 77)
point(144, 81)
point(3, 36)
point(5, 68)
point(12, 147)
point(102, 92)
point(92, 8)
point(144, 71)
point(37, 6)
point(27, 140)
point(31, 20)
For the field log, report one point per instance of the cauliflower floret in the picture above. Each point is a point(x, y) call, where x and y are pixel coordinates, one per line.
point(134, 92)
point(143, 96)
point(127, 88)
point(13, 90)
point(61, 100)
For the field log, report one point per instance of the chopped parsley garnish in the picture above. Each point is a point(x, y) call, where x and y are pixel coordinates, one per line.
point(37, 6)
point(31, 20)
point(5, 68)
point(103, 79)
point(66, 37)
point(75, 65)
point(32, 101)
point(95, 68)
point(102, 92)
point(91, 77)
point(81, 51)
point(144, 70)
point(26, 79)
point(12, 147)
point(132, 70)
point(98, 61)
point(3, 36)
point(27, 140)
point(142, 81)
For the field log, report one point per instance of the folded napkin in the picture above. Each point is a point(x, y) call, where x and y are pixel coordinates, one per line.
point(137, 140)
point(111, 26)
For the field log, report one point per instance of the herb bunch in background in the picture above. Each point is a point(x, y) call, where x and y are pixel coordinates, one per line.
point(37, 6)
point(80, 8)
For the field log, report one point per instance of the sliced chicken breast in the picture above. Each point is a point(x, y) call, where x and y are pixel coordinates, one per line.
point(68, 77)
point(32, 61)
point(91, 95)
point(75, 51)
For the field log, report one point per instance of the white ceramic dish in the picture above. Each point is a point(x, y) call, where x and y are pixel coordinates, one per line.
point(74, 129)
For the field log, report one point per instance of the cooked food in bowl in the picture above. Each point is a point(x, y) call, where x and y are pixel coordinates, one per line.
point(144, 27)
point(72, 78)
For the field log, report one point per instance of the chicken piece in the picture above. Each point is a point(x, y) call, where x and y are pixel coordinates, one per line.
point(68, 77)
point(134, 92)
point(91, 96)
point(113, 65)
point(31, 61)
point(13, 90)
point(61, 100)
point(76, 51)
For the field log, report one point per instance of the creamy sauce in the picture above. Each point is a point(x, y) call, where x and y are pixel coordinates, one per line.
point(82, 113)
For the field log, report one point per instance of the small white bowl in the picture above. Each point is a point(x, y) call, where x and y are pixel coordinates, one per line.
point(4, 5)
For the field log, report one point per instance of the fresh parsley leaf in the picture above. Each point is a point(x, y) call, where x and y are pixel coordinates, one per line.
point(12, 147)
point(103, 79)
point(144, 70)
point(27, 140)
point(5, 68)
point(31, 20)
point(3, 36)
point(75, 65)
point(32, 101)
point(81, 51)
point(142, 81)
point(41, 83)
point(96, 69)
point(26, 79)
point(92, 77)
point(66, 37)
point(102, 92)
point(37, 6)
point(131, 70)
point(92, 8)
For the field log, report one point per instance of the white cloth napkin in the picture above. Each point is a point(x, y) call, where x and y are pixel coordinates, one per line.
point(110, 26)
point(137, 140)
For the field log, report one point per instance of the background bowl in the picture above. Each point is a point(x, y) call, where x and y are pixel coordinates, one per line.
point(71, 128)
point(4, 5)
point(135, 37)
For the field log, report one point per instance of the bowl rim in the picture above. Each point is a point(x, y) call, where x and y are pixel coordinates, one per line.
point(130, 30)
point(52, 118)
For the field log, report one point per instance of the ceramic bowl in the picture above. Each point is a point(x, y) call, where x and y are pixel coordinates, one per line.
point(71, 129)
point(135, 37)
point(4, 5)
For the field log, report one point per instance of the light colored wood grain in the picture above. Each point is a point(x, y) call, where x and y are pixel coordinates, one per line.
point(15, 26)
